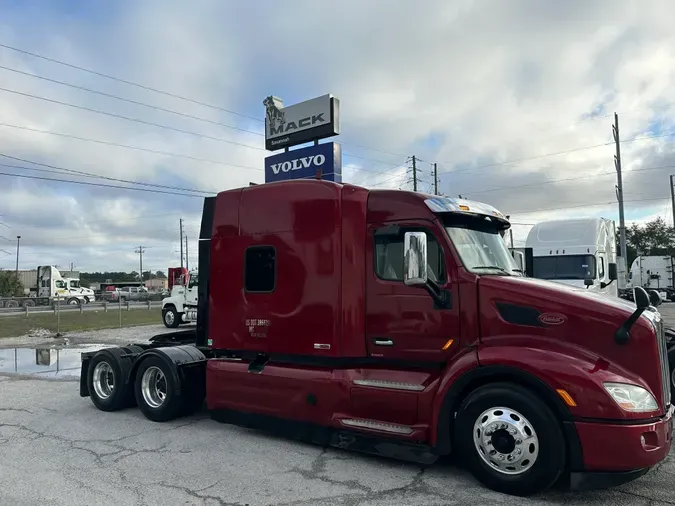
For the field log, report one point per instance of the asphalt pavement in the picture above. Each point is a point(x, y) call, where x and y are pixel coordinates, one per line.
point(58, 449)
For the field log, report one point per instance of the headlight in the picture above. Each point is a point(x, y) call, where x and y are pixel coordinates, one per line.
point(631, 397)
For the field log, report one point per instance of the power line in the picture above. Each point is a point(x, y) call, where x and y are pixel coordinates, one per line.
point(130, 83)
point(86, 183)
point(61, 170)
point(567, 151)
point(127, 146)
point(134, 218)
point(130, 101)
point(135, 120)
point(552, 181)
point(534, 211)
point(155, 90)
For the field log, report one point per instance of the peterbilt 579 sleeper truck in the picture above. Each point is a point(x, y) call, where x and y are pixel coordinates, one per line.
point(348, 317)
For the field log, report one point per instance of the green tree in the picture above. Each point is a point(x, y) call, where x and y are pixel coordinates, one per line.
point(160, 275)
point(655, 237)
point(10, 286)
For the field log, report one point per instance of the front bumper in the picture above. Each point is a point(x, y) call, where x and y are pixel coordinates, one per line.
point(611, 448)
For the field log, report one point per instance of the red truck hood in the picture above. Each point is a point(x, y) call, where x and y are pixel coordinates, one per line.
point(516, 307)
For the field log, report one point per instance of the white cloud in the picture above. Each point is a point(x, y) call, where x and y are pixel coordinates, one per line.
point(468, 84)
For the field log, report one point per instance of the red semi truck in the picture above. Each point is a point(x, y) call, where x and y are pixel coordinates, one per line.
point(349, 317)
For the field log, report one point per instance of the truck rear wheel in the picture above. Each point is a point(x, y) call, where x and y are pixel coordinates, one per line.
point(106, 380)
point(171, 317)
point(156, 388)
point(510, 439)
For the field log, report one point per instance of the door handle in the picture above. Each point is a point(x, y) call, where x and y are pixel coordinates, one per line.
point(383, 342)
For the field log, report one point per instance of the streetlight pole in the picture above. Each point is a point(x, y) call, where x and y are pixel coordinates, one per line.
point(18, 240)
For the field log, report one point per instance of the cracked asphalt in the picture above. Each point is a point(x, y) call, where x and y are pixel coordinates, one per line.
point(58, 449)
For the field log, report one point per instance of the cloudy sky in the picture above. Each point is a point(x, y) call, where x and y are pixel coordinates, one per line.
point(513, 100)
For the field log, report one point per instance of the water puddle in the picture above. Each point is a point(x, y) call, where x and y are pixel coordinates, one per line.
point(45, 362)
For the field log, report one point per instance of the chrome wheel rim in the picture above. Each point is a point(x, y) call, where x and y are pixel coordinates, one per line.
point(104, 380)
point(153, 387)
point(505, 440)
point(169, 318)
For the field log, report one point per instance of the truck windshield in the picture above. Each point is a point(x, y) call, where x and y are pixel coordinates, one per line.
point(564, 267)
point(482, 249)
point(194, 281)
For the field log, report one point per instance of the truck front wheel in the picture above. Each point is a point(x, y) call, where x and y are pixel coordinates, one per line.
point(156, 390)
point(509, 439)
point(171, 317)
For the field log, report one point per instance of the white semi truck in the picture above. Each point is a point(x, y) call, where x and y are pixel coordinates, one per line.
point(578, 252)
point(49, 286)
point(181, 306)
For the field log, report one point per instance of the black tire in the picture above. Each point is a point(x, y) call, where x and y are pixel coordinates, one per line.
point(73, 301)
point(550, 461)
point(28, 303)
point(121, 395)
point(172, 404)
point(11, 303)
point(174, 319)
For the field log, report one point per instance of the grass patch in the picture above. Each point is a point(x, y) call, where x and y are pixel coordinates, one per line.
point(73, 321)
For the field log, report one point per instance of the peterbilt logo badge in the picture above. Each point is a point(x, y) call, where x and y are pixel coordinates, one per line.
point(552, 319)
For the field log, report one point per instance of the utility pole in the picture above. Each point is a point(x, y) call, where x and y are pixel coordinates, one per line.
point(414, 162)
point(435, 179)
point(187, 256)
point(18, 240)
point(140, 251)
point(619, 191)
point(672, 198)
point(181, 243)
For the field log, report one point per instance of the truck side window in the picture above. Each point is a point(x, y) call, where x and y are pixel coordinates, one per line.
point(260, 263)
point(389, 258)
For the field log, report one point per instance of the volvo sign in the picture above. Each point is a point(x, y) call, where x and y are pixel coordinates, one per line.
point(307, 121)
point(323, 161)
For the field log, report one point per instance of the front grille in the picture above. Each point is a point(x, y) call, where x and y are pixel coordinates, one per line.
point(663, 359)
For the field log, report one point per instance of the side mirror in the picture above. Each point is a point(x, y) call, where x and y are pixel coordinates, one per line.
point(642, 300)
point(588, 282)
point(622, 334)
point(612, 271)
point(415, 259)
point(519, 257)
point(654, 298)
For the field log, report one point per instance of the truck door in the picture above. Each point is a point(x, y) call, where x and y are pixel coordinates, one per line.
point(403, 322)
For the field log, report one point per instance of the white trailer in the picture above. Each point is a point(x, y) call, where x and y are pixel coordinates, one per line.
point(578, 252)
point(653, 272)
point(181, 306)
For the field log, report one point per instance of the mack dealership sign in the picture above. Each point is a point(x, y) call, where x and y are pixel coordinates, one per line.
point(324, 160)
point(307, 121)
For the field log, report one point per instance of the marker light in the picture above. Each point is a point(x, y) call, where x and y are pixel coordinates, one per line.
point(566, 397)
